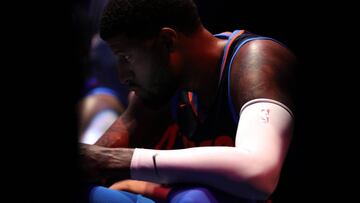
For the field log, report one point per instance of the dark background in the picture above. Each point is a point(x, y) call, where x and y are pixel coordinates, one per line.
point(49, 45)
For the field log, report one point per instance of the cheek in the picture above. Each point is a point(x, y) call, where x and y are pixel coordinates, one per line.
point(175, 63)
point(142, 69)
point(142, 74)
point(158, 69)
point(153, 70)
point(163, 72)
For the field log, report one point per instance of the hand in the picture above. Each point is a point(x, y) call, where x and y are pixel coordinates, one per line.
point(99, 162)
point(149, 189)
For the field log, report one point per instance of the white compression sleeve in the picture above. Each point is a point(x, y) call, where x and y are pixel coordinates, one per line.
point(263, 135)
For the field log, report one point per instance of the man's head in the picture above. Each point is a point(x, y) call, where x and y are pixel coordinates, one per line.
point(144, 35)
point(145, 18)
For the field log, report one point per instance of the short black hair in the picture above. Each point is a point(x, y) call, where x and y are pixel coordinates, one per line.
point(144, 18)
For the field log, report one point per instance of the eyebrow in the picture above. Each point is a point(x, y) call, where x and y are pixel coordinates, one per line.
point(118, 49)
point(120, 52)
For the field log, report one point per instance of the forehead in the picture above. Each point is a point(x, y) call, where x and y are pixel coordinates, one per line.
point(122, 43)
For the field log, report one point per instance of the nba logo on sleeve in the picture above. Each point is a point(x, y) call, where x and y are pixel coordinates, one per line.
point(264, 115)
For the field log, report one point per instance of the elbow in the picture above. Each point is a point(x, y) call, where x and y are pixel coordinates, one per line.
point(268, 186)
point(265, 183)
point(258, 183)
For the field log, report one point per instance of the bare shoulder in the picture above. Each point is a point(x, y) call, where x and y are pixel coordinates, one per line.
point(263, 69)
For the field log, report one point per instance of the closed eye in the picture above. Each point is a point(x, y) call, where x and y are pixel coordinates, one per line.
point(124, 58)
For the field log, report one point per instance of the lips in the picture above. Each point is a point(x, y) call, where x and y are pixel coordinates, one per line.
point(134, 87)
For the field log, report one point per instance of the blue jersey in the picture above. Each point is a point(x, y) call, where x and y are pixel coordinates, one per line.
point(218, 128)
point(187, 130)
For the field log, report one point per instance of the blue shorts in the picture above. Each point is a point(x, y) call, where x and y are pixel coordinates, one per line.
point(100, 194)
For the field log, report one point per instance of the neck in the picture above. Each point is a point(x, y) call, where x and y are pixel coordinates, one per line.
point(203, 53)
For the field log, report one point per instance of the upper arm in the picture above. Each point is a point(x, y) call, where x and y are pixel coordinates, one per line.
point(264, 69)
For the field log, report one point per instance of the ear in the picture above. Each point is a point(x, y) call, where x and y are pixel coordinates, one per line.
point(170, 38)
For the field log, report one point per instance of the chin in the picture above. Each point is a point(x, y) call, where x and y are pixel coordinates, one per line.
point(155, 101)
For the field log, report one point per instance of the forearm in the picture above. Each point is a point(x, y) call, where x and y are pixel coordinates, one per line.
point(117, 163)
point(105, 163)
point(230, 169)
